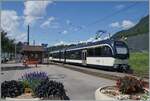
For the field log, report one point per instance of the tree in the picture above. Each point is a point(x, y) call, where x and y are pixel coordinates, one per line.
point(7, 44)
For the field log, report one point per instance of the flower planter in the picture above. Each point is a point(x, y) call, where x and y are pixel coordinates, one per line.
point(23, 97)
point(100, 96)
point(34, 86)
point(29, 97)
point(105, 93)
point(18, 99)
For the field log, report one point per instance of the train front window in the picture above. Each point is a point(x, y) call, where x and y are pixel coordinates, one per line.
point(121, 47)
point(121, 50)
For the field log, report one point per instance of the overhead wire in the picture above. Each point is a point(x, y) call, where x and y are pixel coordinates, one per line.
point(108, 16)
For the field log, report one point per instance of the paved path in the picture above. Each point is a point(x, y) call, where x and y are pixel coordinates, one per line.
point(79, 86)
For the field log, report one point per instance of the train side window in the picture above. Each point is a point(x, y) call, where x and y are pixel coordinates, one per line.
point(56, 55)
point(98, 51)
point(62, 55)
point(67, 54)
point(106, 51)
point(50, 55)
point(76, 54)
point(90, 52)
point(53, 55)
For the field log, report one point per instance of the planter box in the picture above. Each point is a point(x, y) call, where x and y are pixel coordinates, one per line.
point(23, 97)
point(18, 99)
point(101, 96)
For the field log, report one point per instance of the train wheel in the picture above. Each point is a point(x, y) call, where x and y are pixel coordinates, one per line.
point(125, 69)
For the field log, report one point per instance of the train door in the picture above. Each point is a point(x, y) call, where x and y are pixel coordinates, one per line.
point(84, 55)
point(64, 56)
point(60, 55)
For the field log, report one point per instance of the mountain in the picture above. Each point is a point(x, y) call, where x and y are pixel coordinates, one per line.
point(137, 34)
point(142, 27)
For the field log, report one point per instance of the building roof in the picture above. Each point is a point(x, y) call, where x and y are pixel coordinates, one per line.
point(33, 48)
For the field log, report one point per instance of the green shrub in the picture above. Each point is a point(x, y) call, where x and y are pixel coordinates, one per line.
point(49, 89)
point(11, 88)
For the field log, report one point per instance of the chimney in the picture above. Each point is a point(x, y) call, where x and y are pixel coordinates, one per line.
point(28, 36)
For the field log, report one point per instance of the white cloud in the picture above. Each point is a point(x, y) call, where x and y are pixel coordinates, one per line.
point(86, 41)
point(61, 43)
point(90, 40)
point(73, 27)
point(120, 6)
point(9, 20)
point(34, 10)
point(64, 32)
point(94, 40)
point(126, 24)
point(10, 23)
point(115, 24)
point(64, 43)
point(48, 22)
point(68, 22)
point(22, 37)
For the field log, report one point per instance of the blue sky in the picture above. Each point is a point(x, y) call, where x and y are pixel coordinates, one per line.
point(58, 22)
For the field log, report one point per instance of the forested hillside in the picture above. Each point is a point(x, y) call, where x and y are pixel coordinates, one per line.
point(140, 28)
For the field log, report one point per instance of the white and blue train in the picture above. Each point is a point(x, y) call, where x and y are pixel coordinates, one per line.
point(107, 54)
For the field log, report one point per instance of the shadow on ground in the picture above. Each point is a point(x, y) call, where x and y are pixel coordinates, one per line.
point(14, 68)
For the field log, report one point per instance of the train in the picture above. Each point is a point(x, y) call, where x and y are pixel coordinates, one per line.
point(106, 54)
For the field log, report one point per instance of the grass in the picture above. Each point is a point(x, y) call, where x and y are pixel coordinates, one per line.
point(139, 62)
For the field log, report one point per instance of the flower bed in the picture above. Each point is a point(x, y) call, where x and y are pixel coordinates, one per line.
point(127, 88)
point(35, 86)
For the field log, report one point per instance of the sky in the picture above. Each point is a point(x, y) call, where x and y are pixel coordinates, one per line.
point(64, 22)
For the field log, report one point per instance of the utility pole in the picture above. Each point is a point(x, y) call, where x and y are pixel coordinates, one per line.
point(34, 42)
point(28, 36)
point(15, 53)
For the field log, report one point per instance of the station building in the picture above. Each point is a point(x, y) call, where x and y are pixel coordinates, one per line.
point(33, 53)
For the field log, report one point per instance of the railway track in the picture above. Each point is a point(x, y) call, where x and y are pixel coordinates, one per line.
point(112, 75)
